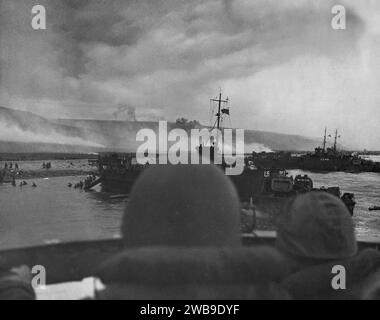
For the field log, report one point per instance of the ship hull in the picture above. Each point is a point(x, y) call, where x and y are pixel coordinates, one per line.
point(248, 185)
point(318, 164)
point(116, 182)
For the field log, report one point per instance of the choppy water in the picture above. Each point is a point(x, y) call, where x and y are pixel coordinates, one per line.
point(52, 211)
point(365, 186)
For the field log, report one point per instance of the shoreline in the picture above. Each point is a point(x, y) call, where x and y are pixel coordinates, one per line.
point(50, 173)
point(46, 156)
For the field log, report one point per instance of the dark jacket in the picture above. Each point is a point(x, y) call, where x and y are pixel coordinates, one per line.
point(315, 282)
point(13, 288)
point(170, 273)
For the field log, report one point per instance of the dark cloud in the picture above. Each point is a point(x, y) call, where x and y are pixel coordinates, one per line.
point(165, 57)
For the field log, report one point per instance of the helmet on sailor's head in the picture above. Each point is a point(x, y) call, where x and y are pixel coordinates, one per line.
point(317, 225)
point(182, 205)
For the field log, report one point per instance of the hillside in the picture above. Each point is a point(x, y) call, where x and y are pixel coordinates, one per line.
point(22, 131)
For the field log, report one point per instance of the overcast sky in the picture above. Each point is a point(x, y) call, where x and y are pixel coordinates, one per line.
point(280, 62)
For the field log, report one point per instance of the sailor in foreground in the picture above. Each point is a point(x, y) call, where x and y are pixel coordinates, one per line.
point(182, 241)
point(15, 284)
point(316, 234)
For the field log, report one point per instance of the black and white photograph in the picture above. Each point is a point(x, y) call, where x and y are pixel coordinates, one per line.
point(179, 152)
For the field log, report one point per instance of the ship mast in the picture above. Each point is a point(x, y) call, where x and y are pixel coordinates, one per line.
point(324, 141)
point(336, 139)
point(219, 114)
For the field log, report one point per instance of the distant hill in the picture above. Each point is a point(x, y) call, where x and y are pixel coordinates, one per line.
point(22, 131)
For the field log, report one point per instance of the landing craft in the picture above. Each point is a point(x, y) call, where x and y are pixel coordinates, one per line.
point(269, 187)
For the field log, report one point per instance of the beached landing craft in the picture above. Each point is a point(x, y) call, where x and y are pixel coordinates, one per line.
point(269, 187)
